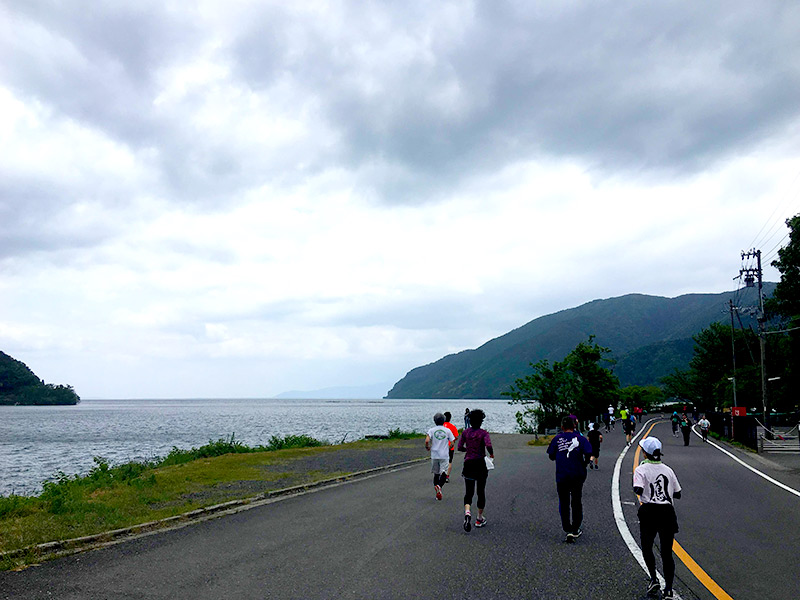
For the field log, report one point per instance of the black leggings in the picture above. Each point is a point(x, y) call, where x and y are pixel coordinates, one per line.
point(470, 490)
point(440, 478)
point(570, 490)
point(658, 520)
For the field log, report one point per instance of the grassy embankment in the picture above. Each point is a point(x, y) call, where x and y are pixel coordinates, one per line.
point(115, 497)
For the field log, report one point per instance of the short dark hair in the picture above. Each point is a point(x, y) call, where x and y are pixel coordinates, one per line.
point(438, 418)
point(567, 423)
point(447, 416)
point(476, 418)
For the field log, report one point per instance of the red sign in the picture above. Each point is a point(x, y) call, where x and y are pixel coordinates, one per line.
point(739, 411)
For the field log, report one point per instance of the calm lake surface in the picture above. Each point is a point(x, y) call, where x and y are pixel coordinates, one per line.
point(36, 442)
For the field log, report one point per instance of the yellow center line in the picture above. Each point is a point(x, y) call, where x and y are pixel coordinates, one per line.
point(703, 577)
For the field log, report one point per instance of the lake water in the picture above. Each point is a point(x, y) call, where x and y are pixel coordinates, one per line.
point(36, 442)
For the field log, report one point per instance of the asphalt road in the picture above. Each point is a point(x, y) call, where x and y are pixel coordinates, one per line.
point(387, 537)
point(742, 530)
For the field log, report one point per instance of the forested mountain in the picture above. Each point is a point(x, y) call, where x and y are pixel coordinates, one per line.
point(19, 385)
point(649, 336)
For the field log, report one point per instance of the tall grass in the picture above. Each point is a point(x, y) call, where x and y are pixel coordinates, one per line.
point(398, 434)
point(68, 494)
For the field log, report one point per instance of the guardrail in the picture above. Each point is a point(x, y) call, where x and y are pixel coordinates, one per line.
point(775, 441)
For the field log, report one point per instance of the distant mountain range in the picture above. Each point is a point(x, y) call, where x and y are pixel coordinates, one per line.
point(649, 336)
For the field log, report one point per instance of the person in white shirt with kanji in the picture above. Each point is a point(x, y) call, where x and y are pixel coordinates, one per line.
point(657, 486)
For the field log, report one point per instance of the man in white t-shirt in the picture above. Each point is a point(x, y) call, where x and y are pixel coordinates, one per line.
point(657, 486)
point(438, 441)
point(704, 425)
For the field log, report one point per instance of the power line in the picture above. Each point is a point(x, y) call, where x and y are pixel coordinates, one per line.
point(782, 208)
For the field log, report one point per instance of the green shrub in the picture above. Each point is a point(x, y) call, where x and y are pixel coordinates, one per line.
point(293, 441)
point(17, 506)
point(398, 434)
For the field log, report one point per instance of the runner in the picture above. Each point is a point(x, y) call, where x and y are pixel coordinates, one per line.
point(675, 423)
point(595, 439)
point(607, 417)
point(475, 442)
point(628, 425)
point(657, 486)
point(571, 451)
point(704, 425)
point(686, 428)
point(454, 429)
point(437, 442)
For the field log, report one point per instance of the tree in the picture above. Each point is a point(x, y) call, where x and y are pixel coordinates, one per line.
point(707, 383)
point(785, 302)
point(645, 397)
point(579, 384)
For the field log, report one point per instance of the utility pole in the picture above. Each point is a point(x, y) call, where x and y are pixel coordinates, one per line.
point(750, 275)
point(733, 357)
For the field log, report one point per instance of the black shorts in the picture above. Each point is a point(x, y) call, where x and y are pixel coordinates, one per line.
point(475, 468)
point(658, 518)
point(452, 453)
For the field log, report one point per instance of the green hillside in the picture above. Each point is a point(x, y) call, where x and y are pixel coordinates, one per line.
point(649, 336)
point(19, 385)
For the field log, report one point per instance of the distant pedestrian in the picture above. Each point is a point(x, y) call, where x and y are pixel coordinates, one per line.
point(476, 443)
point(595, 439)
point(704, 425)
point(607, 417)
point(454, 429)
point(628, 426)
point(686, 428)
point(571, 451)
point(437, 441)
point(466, 419)
point(676, 421)
point(613, 422)
point(657, 486)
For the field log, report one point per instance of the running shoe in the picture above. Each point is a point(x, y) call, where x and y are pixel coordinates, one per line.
point(652, 589)
point(467, 522)
point(578, 533)
point(668, 595)
point(570, 539)
point(438, 492)
point(480, 522)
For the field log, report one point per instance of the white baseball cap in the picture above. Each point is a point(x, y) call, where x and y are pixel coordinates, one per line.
point(651, 445)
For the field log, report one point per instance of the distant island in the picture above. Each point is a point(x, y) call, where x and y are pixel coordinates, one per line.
point(20, 386)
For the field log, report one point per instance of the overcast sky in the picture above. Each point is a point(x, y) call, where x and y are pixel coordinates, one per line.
point(234, 199)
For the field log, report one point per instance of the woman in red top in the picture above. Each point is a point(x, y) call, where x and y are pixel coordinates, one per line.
point(475, 442)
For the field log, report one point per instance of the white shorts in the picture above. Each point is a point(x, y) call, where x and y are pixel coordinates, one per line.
point(439, 465)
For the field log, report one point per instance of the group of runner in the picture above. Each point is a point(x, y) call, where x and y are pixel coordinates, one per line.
point(654, 482)
point(479, 454)
point(683, 422)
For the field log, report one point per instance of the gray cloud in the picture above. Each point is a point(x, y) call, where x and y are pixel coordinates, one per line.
point(421, 98)
point(622, 86)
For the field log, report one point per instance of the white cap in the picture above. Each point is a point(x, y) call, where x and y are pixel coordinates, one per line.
point(651, 445)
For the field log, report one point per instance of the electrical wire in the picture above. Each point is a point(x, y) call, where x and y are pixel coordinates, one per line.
point(792, 198)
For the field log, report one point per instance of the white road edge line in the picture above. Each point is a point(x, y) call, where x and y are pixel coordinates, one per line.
point(619, 517)
point(783, 486)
